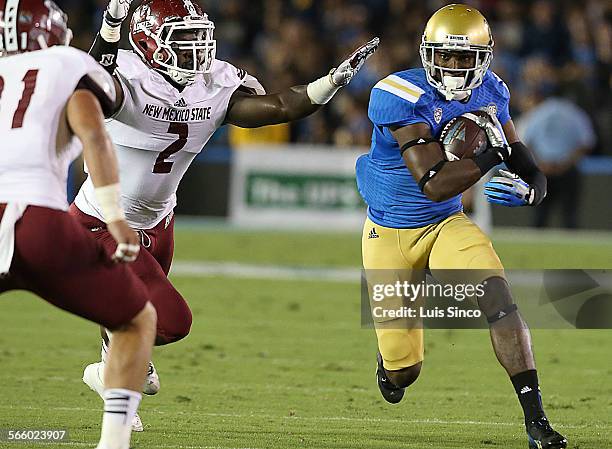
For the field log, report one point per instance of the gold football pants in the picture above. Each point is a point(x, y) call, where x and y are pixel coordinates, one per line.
point(454, 243)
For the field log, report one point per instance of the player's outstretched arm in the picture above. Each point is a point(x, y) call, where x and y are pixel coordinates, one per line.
point(86, 120)
point(438, 178)
point(106, 45)
point(249, 111)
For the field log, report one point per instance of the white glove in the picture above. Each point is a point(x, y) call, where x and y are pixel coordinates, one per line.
point(344, 73)
point(509, 190)
point(116, 12)
point(322, 90)
point(495, 134)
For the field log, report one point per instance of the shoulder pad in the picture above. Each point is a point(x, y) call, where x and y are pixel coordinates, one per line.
point(101, 84)
point(130, 65)
point(497, 83)
point(396, 99)
point(401, 88)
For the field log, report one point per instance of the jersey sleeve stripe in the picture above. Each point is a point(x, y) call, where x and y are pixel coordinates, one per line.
point(399, 90)
point(407, 84)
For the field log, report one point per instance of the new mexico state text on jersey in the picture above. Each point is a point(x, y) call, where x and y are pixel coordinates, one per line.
point(171, 114)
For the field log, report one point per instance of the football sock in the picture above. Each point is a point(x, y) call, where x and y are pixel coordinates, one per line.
point(528, 392)
point(119, 409)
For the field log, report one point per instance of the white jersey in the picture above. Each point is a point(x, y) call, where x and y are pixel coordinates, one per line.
point(158, 132)
point(37, 145)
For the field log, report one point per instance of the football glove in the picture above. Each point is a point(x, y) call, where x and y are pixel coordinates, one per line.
point(116, 12)
point(344, 73)
point(323, 89)
point(509, 190)
point(495, 135)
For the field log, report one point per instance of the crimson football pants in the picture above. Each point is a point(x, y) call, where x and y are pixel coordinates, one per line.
point(152, 267)
point(58, 260)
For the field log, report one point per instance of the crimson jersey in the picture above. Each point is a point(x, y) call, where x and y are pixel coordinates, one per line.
point(158, 131)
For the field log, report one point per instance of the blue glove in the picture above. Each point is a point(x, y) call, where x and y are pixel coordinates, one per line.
point(509, 190)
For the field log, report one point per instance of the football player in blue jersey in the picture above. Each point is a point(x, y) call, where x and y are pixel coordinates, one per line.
point(415, 219)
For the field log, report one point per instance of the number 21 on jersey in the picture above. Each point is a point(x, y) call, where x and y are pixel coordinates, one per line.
point(29, 82)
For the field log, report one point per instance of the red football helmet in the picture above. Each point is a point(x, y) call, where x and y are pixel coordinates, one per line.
point(29, 25)
point(174, 37)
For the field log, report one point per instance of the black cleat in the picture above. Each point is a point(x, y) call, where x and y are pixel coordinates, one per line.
point(543, 436)
point(389, 391)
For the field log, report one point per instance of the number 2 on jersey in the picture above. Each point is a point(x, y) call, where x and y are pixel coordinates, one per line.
point(163, 166)
point(29, 81)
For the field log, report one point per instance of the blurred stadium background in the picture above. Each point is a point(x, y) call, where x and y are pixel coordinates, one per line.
point(543, 49)
point(276, 357)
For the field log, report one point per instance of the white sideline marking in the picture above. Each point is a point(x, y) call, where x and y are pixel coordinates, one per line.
point(239, 270)
point(323, 419)
point(165, 446)
point(275, 272)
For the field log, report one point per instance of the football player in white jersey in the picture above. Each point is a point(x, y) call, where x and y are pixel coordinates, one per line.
point(173, 94)
point(52, 99)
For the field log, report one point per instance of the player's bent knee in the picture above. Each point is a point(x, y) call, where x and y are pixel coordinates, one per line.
point(144, 321)
point(175, 328)
point(407, 376)
point(497, 302)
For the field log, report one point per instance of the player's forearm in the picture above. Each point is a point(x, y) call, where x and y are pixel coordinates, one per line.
point(86, 121)
point(106, 44)
point(262, 110)
point(524, 164)
point(101, 161)
point(453, 179)
point(299, 101)
point(105, 53)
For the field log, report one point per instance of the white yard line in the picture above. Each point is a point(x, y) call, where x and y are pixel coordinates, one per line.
point(326, 418)
point(165, 446)
point(274, 272)
point(239, 270)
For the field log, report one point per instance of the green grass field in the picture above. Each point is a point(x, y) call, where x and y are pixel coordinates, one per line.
point(284, 364)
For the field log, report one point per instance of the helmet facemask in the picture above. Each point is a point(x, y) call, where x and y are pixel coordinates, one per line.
point(455, 83)
point(185, 48)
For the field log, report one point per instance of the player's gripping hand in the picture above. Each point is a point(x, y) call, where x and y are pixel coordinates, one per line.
point(495, 136)
point(128, 243)
point(509, 190)
point(344, 73)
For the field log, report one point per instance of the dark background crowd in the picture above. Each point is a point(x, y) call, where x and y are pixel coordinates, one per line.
point(542, 48)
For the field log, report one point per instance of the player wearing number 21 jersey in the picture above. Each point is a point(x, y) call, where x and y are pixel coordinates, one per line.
point(173, 95)
point(52, 99)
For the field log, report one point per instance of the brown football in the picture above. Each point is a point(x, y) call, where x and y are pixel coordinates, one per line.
point(462, 138)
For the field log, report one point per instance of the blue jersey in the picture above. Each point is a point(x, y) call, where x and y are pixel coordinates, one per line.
point(393, 196)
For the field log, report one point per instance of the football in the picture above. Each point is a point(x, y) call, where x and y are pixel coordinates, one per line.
point(462, 138)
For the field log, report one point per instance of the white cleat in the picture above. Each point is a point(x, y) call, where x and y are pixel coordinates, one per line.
point(151, 385)
point(137, 424)
point(92, 376)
